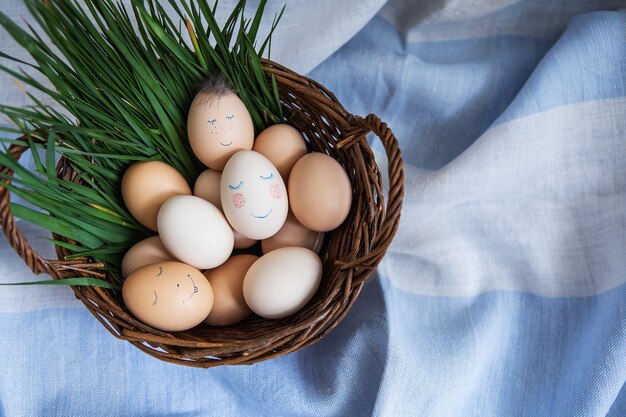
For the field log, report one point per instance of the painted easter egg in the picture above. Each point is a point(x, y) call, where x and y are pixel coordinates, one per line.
point(254, 196)
point(169, 296)
point(218, 125)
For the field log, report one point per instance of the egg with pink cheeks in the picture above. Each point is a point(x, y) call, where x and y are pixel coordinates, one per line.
point(253, 194)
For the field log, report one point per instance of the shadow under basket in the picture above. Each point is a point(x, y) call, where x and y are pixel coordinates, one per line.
point(349, 255)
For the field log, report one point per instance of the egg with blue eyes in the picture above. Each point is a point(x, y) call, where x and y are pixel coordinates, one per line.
point(253, 194)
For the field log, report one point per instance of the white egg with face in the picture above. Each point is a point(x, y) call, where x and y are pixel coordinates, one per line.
point(253, 194)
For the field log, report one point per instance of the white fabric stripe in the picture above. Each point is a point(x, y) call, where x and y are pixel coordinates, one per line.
point(537, 204)
point(457, 20)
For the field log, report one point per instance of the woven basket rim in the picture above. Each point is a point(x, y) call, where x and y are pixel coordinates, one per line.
point(364, 239)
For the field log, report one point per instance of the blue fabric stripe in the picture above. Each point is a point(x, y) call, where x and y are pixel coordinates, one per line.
point(618, 409)
point(106, 376)
point(576, 71)
point(439, 97)
point(502, 353)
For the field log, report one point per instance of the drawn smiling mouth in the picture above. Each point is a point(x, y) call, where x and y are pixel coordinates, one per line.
point(226, 144)
point(263, 216)
point(195, 289)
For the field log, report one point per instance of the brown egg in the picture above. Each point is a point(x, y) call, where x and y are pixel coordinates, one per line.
point(218, 125)
point(283, 145)
point(170, 296)
point(207, 186)
point(227, 283)
point(319, 190)
point(145, 252)
point(293, 234)
point(241, 241)
point(146, 186)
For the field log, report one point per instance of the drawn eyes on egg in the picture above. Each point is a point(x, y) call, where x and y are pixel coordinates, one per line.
point(231, 117)
point(212, 121)
point(235, 187)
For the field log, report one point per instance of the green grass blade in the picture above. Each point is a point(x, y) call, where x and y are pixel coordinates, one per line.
point(78, 281)
point(55, 225)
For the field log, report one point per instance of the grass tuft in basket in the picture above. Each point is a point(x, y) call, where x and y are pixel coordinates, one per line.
point(125, 91)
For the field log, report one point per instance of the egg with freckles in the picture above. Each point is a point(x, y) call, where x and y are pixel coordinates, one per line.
point(218, 125)
point(254, 196)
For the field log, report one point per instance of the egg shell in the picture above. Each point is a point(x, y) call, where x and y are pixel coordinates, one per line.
point(293, 233)
point(254, 196)
point(195, 231)
point(147, 185)
point(227, 283)
point(283, 145)
point(241, 241)
point(207, 186)
point(218, 125)
point(282, 281)
point(169, 296)
point(145, 252)
point(320, 194)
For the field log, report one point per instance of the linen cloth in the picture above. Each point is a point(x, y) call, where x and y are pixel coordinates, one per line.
point(504, 292)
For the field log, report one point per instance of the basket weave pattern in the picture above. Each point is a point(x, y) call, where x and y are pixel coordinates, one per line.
point(349, 255)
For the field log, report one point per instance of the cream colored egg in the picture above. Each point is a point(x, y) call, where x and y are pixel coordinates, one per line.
point(218, 125)
point(207, 186)
point(169, 296)
point(195, 231)
point(282, 281)
point(320, 194)
point(145, 252)
point(283, 145)
point(254, 197)
point(147, 185)
point(227, 283)
point(293, 234)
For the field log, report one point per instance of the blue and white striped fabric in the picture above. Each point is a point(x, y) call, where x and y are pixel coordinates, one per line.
point(504, 292)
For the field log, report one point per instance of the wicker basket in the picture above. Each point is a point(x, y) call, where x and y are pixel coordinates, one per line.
point(350, 253)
